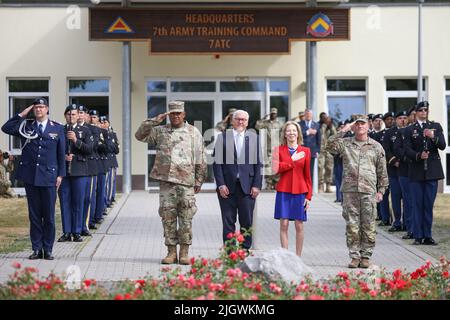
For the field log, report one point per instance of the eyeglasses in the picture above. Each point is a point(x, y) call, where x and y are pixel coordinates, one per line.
point(422, 110)
point(241, 119)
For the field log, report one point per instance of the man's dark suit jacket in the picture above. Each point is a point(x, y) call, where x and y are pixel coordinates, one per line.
point(227, 163)
point(312, 142)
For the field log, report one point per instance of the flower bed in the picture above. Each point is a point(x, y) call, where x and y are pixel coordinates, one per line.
point(221, 278)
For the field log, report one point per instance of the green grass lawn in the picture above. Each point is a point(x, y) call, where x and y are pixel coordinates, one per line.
point(15, 225)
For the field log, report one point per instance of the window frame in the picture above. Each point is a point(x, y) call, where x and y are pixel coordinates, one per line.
point(341, 94)
point(402, 94)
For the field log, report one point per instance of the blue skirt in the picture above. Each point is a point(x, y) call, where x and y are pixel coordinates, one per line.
point(290, 206)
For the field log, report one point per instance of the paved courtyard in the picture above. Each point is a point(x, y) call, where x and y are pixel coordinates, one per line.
point(129, 243)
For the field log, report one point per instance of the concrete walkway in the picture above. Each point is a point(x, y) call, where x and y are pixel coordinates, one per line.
point(129, 244)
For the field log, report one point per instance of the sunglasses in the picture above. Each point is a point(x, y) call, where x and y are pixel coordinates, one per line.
point(422, 110)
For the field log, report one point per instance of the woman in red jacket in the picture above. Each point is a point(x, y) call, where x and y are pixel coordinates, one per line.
point(294, 189)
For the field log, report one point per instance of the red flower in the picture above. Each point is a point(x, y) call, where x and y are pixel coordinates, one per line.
point(192, 260)
point(233, 256)
point(140, 282)
point(16, 265)
point(240, 238)
point(230, 235)
point(204, 262)
point(343, 275)
point(445, 274)
point(87, 282)
point(315, 297)
point(138, 292)
point(373, 293)
point(127, 296)
point(397, 274)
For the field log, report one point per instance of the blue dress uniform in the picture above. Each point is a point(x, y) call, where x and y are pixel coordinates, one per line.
point(403, 178)
point(72, 192)
point(105, 151)
point(424, 174)
point(41, 163)
point(394, 184)
point(97, 168)
point(113, 150)
point(115, 166)
point(385, 213)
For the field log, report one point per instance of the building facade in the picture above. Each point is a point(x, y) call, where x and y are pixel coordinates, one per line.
point(47, 52)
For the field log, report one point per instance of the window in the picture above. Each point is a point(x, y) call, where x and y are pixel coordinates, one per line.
point(91, 93)
point(346, 97)
point(21, 94)
point(279, 98)
point(401, 93)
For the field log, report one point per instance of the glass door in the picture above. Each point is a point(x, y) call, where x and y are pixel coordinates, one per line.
point(253, 107)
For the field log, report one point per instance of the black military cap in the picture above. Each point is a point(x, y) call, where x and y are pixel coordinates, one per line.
point(422, 104)
point(348, 121)
point(411, 110)
point(341, 123)
point(377, 116)
point(82, 108)
point(71, 107)
point(402, 113)
point(93, 113)
point(388, 114)
point(370, 116)
point(103, 118)
point(41, 100)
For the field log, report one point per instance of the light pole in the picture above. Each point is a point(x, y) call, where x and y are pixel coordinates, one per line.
point(419, 71)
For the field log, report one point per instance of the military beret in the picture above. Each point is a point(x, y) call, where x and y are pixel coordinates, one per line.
point(422, 104)
point(378, 116)
point(370, 116)
point(103, 118)
point(341, 123)
point(176, 106)
point(93, 113)
point(71, 107)
point(388, 114)
point(411, 110)
point(40, 101)
point(83, 108)
point(402, 113)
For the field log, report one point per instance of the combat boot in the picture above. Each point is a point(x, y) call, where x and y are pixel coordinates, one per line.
point(328, 189)
point(171, 255)
point(354, 263)
point(184, 251)
point(364, 263)
point(320, 187)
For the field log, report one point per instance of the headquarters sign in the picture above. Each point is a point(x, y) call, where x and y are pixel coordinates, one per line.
point(236, 30)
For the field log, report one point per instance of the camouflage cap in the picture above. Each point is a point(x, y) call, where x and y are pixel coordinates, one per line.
point(176, 106)
point(273, 110)
point(360, 118)
point(232, 110)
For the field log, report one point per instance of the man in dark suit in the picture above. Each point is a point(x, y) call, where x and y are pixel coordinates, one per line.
point(42, 169)
point(311, 136)
point(237, 169)
point(423, 140)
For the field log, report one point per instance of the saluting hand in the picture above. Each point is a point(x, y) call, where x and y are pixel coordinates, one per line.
point(26, 111)
point(161, 116)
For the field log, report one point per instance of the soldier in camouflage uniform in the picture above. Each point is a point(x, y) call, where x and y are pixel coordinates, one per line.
point(5, 184)
point(180, 166)
point(226, 123)
point(364, 182)
point(273, 130)
point(325, 163)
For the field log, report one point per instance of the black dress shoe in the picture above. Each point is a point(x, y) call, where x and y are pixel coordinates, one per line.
point(409, 235)
point(383, 224)
point(429, 242)
point(417, 242)
point(65, 237)
point(395, 229)
point(86, 234)
point(105, 213)
point(77, 238)
point(93, 227)
point(36, 255)
point(48, 256)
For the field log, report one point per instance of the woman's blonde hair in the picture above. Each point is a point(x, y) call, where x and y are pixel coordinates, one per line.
point(299, 130)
